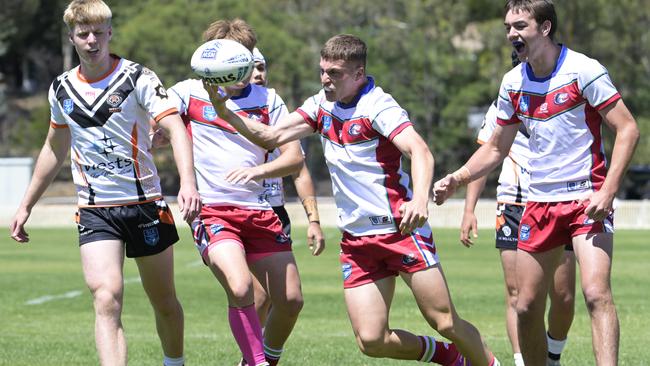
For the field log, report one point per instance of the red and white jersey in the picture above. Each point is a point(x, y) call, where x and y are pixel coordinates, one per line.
point(108, 120)
point(560, 113)
point(218, 148)
point(515, 174)
point(366, 168)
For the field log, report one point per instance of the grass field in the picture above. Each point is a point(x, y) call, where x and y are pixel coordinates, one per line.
point(46, 313)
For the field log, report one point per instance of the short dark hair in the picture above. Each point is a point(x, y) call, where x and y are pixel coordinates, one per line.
point(344, 47)
point(541, 11)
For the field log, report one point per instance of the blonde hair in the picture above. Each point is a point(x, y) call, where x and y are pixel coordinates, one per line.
point(235, 29)
point(86, 12)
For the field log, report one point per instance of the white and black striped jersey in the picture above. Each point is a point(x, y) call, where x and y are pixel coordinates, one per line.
point(108, 120)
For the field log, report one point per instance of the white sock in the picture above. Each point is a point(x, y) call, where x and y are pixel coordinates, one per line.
point(168, 361)
point(554, 346)
point(519, 359)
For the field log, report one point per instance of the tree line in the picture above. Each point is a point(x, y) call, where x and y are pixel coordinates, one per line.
point(441, 60)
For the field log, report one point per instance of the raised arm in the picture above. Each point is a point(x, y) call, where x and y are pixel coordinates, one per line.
point(621, 121)
point(484, 160)
point(189, 201)
point(52, 155)
point(290, 128)
point(416, 212)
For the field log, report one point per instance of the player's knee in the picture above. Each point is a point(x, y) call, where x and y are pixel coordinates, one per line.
point(446, 325)
point(107, 302)
point(290, 306)
point(371, 344)
point(527, 308)
point(597, 297)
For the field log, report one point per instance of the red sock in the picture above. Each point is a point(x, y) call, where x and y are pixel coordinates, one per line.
point(437, 352)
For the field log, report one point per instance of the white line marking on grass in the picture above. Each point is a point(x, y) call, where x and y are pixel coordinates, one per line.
point(47, 298)
point(69, 294)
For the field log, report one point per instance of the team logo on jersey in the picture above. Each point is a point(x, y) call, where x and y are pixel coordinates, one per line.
point(282, 238)
point(524, 232)
point(409, 259)
point(114, 100)
point(524, 102)
point(560, 98)
point(355, 129)
point(578, 185)
point(381, 220)
point(151, 236)
point(209, 113)
point(161, 92)
point(68, 106)
point(215, 228)
point(506, 230)
point(543, 108)
point(327, 123)
point(347, 270)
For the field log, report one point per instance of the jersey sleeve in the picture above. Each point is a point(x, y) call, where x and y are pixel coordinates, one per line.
point(489, 124)
point(505, 108)
point(309, 110)
point(596, 86)
point(277, 108)
point(179, 96)
point(153, 95)
point(390, 119)
point(57, 118)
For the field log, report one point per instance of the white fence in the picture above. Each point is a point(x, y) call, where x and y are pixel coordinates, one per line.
point(629, 214)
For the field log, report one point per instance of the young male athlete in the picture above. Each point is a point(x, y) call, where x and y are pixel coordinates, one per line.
point(364, 134)
point(562, 97)
point(101, 111)
point(274, 194)
point(237, 228)
point(512, 194)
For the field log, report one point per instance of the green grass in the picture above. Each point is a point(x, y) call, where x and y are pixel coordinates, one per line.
point(60, 332)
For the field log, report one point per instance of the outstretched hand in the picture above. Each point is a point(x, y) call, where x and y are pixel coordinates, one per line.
point(218, 95)
point(444, 188)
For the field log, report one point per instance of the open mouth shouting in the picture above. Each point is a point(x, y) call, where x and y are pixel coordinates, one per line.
point(519, 46)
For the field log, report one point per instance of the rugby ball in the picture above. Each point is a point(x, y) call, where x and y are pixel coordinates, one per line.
point(222, 62)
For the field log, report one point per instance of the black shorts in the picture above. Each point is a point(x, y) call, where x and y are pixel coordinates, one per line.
point(146, 229)
point(284, 219)
point(507, 226)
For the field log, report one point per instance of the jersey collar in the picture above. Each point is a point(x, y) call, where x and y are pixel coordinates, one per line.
point(558, 64)
point(365, 90)
point(244, 93)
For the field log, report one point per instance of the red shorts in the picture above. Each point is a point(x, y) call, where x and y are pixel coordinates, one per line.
point(366, 259)
point(258, 231)
point(547, 225)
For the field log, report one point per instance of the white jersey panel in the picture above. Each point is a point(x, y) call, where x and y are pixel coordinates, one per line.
point(109, 124)
point(368, 182)
point(218, 148)
point(561, 114)
point(515, 176)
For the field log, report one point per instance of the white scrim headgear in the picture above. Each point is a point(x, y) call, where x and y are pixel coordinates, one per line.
point(258, 56)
